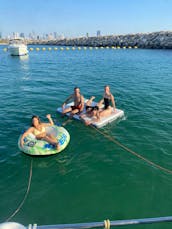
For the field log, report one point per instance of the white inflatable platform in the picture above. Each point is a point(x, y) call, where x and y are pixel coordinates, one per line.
point(103, 120)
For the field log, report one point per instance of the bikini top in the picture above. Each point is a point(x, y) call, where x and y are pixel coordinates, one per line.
point(37, 132)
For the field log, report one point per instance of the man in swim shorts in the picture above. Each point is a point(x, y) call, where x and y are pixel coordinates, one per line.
point(78, 100)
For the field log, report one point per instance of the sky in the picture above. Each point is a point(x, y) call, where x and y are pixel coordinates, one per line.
point(74, 18)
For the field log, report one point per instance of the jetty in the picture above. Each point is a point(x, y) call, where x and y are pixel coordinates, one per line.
point(154, 40)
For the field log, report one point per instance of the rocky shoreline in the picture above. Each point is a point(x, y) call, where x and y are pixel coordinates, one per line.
point(155, 40)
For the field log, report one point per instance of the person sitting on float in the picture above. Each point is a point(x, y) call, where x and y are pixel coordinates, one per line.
point(107, 100)
point(38, 130)
point(78, 100)
point(91, 112)
point(97, 112)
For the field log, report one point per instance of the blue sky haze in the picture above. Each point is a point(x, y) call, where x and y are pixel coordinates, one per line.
point(77, 17)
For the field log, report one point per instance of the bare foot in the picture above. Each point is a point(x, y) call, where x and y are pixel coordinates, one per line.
point(92, 98)
point(82, 116)
point(87, 123)
point(113, 110)
point(57, 146)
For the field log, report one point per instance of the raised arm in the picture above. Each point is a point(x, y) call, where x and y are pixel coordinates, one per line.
point(50, 120)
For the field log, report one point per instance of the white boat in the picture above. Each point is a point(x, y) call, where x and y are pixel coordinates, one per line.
point(17, 47)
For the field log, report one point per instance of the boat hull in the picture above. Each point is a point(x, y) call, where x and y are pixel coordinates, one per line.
point(18, 50)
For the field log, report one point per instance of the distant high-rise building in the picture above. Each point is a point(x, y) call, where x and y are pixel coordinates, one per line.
point(55, 35)
point(15, 34)
point(32, 35)
point(22, 35)
point(87, 35)
point(98, 33)
point(0, 35)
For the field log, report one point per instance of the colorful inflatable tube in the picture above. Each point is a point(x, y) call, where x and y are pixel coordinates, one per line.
point(35, 147)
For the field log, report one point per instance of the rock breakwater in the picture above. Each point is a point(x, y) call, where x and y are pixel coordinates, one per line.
point(155, 40)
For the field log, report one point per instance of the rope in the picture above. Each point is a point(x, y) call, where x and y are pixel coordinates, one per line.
point(26, 194)
point(132, 152)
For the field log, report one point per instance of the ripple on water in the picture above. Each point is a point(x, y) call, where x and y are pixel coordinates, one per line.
point(92, 171)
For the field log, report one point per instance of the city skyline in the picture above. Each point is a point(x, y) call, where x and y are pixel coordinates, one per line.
point(77, 18)
point(45, 36)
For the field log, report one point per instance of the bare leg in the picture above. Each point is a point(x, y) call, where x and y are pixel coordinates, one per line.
point(67, 110)
point(98, 115)
point(73, 112)
point(87, 123)
point(89, 102)
point(106, 112)
point(99, 104)
point(52, 140)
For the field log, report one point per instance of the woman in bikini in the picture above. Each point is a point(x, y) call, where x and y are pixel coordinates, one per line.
point(38, 130)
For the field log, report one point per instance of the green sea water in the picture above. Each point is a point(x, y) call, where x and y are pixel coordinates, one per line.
point(92, 179)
